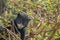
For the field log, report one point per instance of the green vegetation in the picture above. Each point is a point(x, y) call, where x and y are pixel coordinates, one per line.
point(45, 14)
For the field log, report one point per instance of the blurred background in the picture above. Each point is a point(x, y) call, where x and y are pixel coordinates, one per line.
point(45, 14)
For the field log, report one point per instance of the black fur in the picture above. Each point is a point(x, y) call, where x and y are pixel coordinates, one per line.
point(21, 23)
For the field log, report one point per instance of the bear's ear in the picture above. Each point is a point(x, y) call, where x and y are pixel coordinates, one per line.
point(18, 14)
